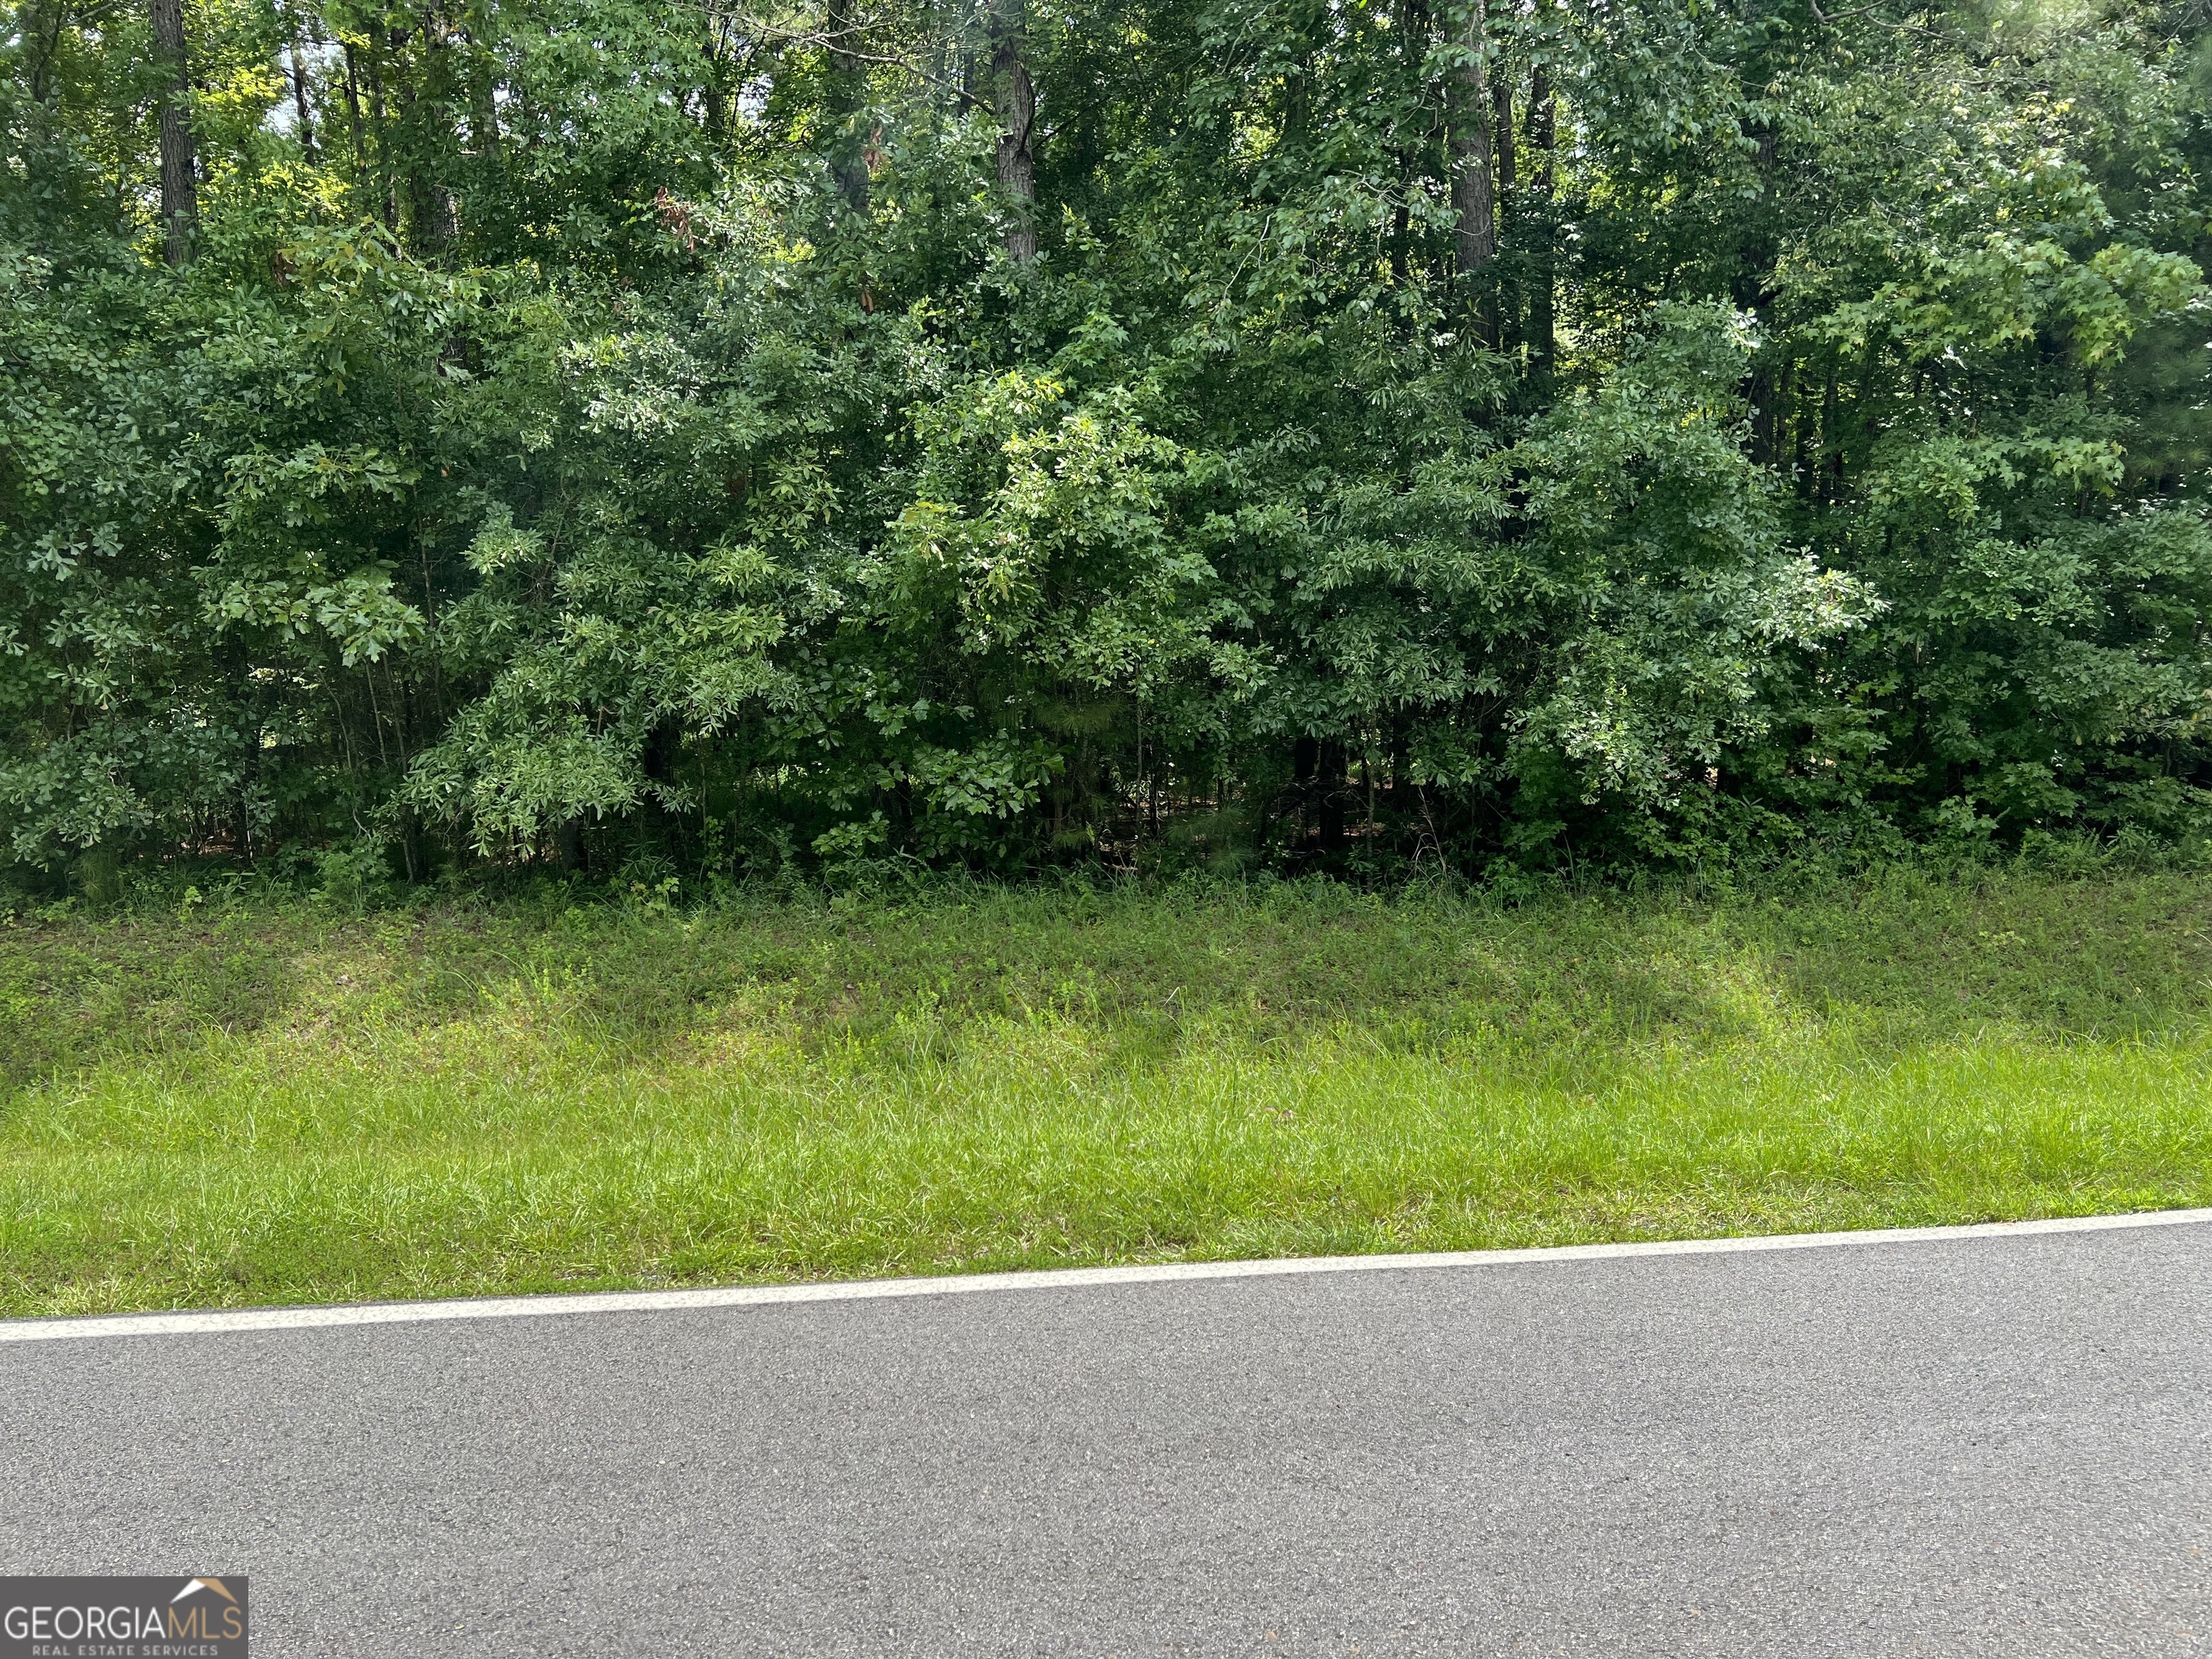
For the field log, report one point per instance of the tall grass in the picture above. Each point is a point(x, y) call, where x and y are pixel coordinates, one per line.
point(273, 1104)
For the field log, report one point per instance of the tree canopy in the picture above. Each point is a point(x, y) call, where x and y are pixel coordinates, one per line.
point(1004, 432)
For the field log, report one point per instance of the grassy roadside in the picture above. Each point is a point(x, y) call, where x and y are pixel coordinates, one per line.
point(276, 1105)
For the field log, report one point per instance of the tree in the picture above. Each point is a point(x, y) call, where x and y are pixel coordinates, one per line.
point(180, 183)
point(592, 430)
point(1015, 99)
point(1474, 196)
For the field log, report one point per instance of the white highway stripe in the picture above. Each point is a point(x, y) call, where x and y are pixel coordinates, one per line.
point(185, 1322)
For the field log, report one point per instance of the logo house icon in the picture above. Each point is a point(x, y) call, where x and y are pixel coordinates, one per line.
point(205, 1610)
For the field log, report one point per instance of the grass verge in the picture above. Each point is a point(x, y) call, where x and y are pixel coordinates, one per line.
point(273, 1104)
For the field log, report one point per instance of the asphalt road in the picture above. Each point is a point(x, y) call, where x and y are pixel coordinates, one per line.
point(1974, 1447)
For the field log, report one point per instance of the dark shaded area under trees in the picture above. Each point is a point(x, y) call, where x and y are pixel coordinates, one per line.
point(1004, 433)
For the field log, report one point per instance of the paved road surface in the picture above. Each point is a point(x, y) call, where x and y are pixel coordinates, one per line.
point(1973, 1447)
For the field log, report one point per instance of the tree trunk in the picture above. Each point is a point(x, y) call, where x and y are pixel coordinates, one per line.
point(1770, 419)
point(42, 30)
point(1832, 441)
point(1508, 160)
point(717, 109)
point(569, 843)
point(387, 185)
point(1543, 136)
point(1329, 791)
point(1506, 301)
point(1474, 184)
point(306, 124)
point(429, 216)
point(353, 116)
point(483, 105)
point(848, 94)
point(179, 190)
point(1016, 100)
point(1414, 43)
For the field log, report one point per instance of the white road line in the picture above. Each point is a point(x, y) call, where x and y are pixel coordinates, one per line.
point(756, 1296)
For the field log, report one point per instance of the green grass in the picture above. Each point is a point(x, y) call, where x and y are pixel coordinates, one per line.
point(273, 1104)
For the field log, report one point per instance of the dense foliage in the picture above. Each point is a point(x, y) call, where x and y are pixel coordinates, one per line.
point(1543, 430)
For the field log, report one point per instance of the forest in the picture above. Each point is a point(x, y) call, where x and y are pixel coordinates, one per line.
point(1337, 435)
